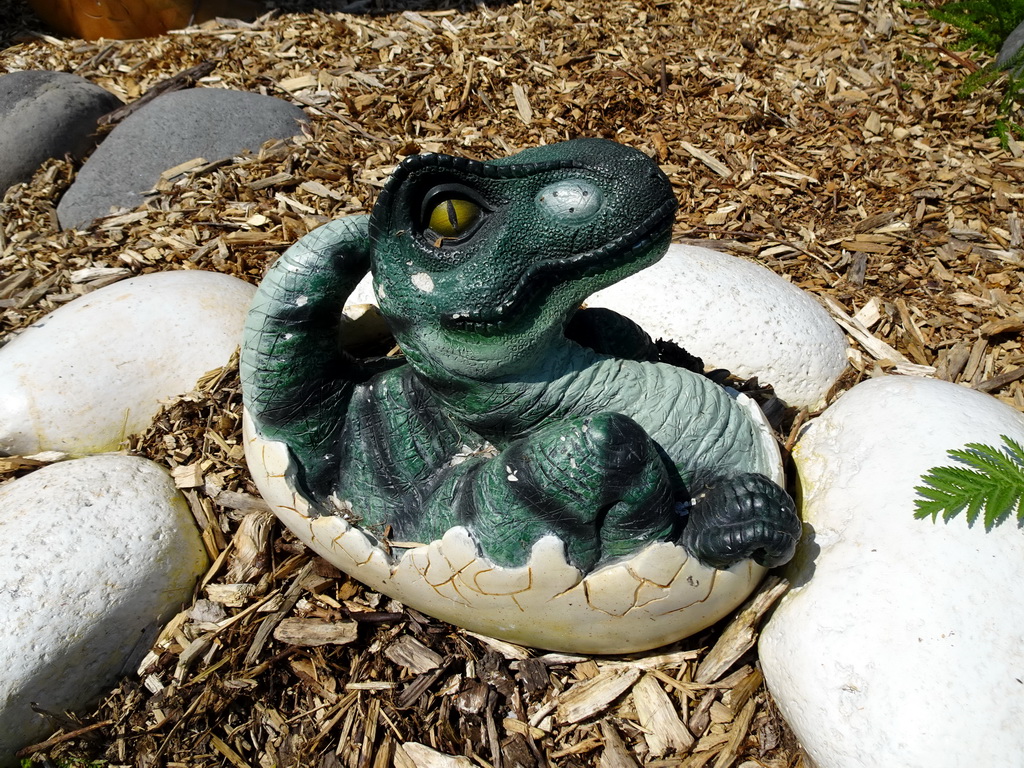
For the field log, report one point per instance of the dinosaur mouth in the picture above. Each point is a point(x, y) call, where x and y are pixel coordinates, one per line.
point(525, 298)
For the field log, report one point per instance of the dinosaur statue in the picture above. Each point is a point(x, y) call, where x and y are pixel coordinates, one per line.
point(513, 414)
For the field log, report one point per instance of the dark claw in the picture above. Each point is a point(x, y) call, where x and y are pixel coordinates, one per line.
point(740, 518)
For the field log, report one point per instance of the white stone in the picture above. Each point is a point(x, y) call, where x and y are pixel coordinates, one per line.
point(659, 595)
point(97, 553)
point(736, 315)
point(903, 643)
point(363, 293)
point(94, 371)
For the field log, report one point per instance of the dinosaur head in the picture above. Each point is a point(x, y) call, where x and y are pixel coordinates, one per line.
point(479, 265)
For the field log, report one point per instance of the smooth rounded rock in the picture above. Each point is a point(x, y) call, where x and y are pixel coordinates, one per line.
point(97, 554)
point(93, 372)
point(902, 642)
point(362, 294)
point(211, 123)
point(43, 115)
point(737, 315)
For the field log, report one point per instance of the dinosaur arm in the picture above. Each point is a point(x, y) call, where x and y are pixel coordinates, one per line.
point(609, 333)
point(297, 378)
point(702, 430)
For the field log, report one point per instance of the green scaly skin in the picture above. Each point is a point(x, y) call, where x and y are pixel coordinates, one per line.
point(497, 421)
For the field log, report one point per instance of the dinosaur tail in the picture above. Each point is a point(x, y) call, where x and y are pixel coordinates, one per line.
point(296, 379)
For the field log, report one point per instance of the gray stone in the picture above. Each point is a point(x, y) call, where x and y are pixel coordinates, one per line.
point(43, 115)
point(1011, 47)
point(210, 123)
point(97, 554)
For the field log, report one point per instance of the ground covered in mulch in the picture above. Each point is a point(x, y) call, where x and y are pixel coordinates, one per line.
point(822, 139)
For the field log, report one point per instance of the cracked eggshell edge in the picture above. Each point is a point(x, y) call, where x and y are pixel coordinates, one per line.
point(656, 597)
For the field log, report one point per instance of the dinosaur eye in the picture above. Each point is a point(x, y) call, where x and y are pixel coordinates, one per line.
point(451, 212)
point(454, 217)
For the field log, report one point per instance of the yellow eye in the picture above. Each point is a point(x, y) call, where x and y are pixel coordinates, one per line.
point(453, 217)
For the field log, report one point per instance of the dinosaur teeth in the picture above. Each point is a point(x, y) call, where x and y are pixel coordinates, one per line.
point(461, 322)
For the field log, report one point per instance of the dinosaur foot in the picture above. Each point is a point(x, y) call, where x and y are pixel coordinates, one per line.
point(596, 482)
point(741, 517)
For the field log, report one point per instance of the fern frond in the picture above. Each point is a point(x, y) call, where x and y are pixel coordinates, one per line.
point(994, 484)
point(984, 23)
point(1016, 449)
point(985, 458)
point(975, 81)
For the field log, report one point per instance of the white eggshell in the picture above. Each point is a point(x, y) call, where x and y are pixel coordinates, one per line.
point(655, 597)
point(96, 554)
point(903, 642)
point(736, 315)
point(94, 371)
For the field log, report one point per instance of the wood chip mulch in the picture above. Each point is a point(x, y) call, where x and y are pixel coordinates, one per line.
point(823, 139)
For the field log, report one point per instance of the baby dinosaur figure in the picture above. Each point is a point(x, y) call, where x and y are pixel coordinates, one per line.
point(497, 420)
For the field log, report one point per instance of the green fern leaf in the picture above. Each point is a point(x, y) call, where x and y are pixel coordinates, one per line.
point(986, 460)
point(1015, 448)
point(977, 499)
point(985, 25)
point(996, 462)
point(993, 484)
point(999, 503)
